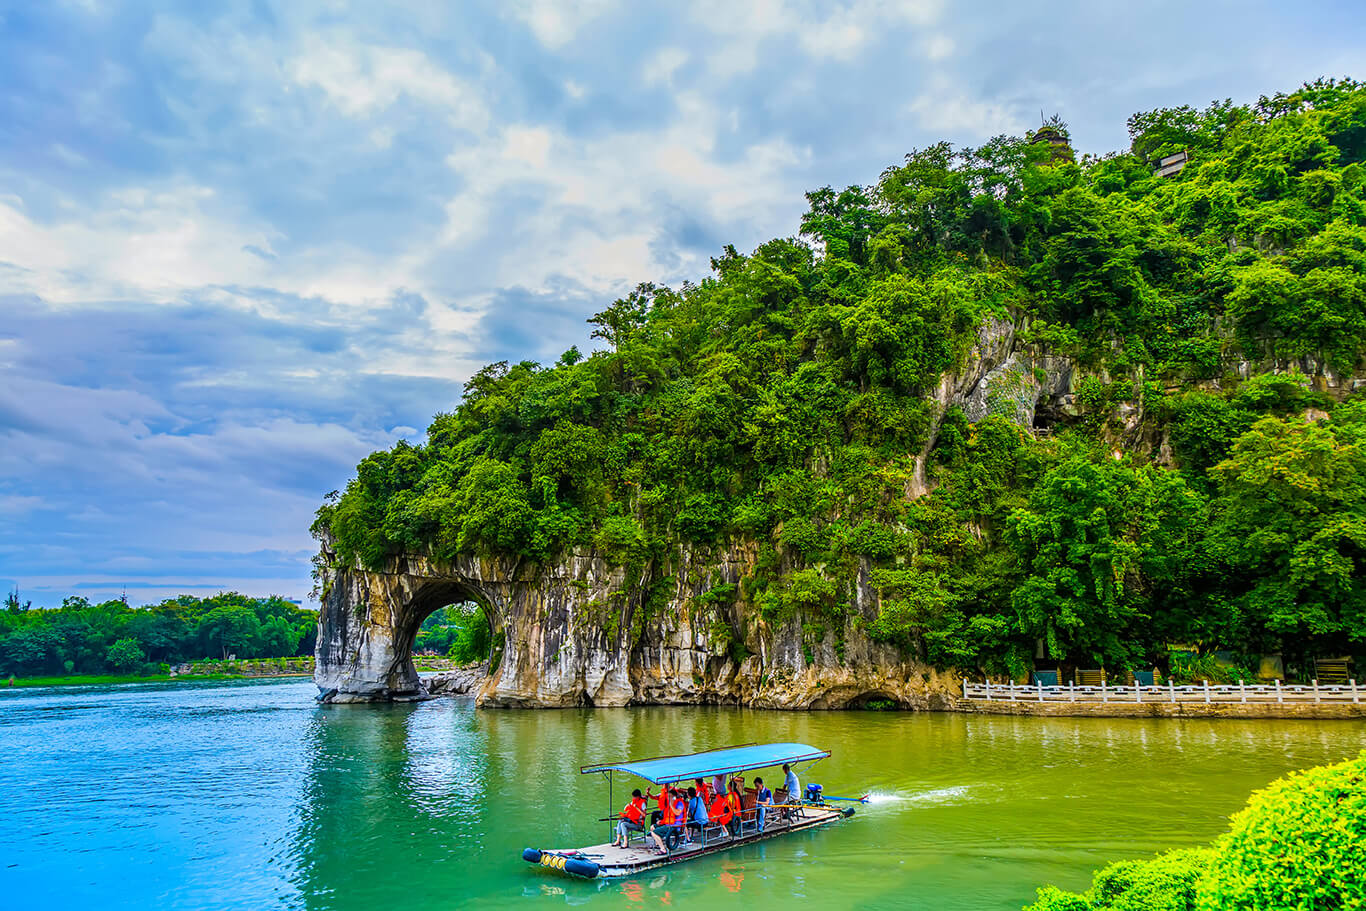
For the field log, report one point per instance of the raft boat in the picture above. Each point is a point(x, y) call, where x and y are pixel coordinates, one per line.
point(790, 813)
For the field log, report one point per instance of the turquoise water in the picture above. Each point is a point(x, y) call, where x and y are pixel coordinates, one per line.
point(249, 795)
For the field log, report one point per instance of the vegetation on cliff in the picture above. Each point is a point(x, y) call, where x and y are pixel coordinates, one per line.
point(1297, 844)
point(112, 637)
point(1200, 483)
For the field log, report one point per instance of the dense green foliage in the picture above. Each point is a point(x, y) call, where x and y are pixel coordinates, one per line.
point(1297, 845)
point(1165, 883)
point(460, 631)
point(111, 637)
point(788, 399)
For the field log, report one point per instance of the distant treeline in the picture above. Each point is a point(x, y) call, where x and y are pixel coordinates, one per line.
point(111, 637)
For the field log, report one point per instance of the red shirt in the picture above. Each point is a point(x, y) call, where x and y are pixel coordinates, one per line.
point(720, 811)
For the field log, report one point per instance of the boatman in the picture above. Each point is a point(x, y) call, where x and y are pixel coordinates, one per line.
point(632, 819)
point(793, 787)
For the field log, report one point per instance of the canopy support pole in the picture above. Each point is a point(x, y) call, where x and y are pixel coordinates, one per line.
point(610, 802)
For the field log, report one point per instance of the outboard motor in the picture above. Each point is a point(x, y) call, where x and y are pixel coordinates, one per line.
point(813, 794)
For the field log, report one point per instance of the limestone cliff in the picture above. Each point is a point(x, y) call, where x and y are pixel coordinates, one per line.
point(581, 631)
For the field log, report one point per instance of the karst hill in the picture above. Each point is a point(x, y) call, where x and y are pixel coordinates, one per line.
point(1004, 405)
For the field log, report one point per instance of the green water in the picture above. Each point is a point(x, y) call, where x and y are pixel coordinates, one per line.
point(248, 795)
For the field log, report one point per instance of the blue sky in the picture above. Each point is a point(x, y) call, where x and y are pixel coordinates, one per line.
point(244, 244)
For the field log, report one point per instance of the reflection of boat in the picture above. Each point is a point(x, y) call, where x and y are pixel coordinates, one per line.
point(789, 813)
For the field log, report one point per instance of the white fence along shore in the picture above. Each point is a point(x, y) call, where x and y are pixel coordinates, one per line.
point(1266, 694)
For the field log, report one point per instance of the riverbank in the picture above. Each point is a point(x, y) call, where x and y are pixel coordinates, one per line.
point(209, 669)
point(112, 679)
point(1305, 711)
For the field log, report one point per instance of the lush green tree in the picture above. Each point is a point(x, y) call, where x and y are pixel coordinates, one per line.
point(1290, 520)
point(125, 656)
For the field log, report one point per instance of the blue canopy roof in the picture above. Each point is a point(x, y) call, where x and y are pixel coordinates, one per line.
point(714, 762)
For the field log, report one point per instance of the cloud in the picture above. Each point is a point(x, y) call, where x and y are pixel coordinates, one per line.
point(243, 245)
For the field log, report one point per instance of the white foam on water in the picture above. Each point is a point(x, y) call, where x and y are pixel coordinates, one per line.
point(937, 796)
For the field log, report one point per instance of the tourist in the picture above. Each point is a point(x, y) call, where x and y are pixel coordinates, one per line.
point(793, 788)
point(737, 806)
point(674, 811)
point(697, 815)
point(718, 784)
point(763, 798)
point(657, 815)
point(720, 812)
point(703, 790)
point(632, 819)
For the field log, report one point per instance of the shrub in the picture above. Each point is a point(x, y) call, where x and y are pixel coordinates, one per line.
point(1165, 883)
point(1299, 844)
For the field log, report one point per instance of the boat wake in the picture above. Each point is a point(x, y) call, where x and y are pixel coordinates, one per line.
point(935, 797)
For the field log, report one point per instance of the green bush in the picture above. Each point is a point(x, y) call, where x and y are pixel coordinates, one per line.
point(1165, 883)
point(1299, 844)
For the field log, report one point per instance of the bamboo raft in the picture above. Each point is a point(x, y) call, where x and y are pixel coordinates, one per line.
point(785, 817)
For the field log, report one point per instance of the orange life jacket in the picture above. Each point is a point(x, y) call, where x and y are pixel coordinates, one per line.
point(666, 808)
point(734, 800)
point(720, 811)
point(681, 811)
point(634, 811)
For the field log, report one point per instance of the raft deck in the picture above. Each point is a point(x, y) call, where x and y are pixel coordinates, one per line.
point(642, 856)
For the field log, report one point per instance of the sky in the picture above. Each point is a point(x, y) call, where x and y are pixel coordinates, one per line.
point(244, 244)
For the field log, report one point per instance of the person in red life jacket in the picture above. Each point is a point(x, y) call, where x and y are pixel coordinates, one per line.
point(663, 801)
point(632, 819)
point(736, 806)
point(703, 790)
point(676, 813)
point(720, 812)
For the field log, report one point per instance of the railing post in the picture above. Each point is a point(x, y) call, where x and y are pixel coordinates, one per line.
point(988, 689)
point(1011, 686)
point(965, 687)
point(1242, 689)
point(1354, 689)
point(1104, 696)
point(1206, 691)
point(1071, 691)
point(1316, 689)
point(1138, 691)
point(1039, 683)
point(1279, 697)
point(1171, 690)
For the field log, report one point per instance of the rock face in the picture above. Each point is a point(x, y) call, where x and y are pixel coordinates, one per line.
point(577, 633)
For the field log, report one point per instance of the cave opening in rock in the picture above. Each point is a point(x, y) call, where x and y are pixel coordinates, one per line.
point(454, 620)
point(877, 701)
point(460, 631)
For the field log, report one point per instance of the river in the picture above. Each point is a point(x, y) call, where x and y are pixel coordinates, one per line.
point(249, 795)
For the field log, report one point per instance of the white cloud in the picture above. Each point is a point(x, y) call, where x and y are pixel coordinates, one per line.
point(362, 80)
point(556, 22)
point(836, 31)
point(939, 47)
point(606, 194)
point(661, 66)
point(946, 107)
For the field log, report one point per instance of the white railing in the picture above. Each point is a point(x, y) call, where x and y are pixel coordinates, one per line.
point(1200, 692)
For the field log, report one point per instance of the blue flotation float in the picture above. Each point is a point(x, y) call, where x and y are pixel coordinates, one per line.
point(578, 866)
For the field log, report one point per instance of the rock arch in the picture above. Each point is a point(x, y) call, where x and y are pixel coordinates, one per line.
point(582, 631)
point(558, 636)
